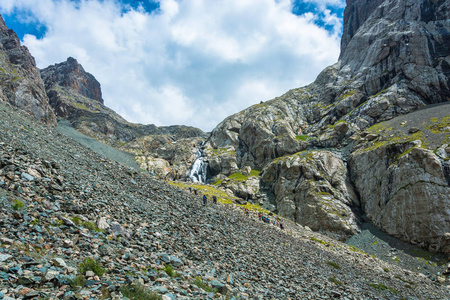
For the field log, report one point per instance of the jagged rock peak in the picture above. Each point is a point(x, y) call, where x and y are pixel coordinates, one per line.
point(20, 82)
point(3, 26)
point(72, 75)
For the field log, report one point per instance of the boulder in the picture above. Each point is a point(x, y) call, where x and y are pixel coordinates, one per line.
point(404, 191)
point(313, 189)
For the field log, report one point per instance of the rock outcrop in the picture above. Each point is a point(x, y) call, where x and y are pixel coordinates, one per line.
point(20, 82)
point(403, 186)
point(71, 75)
point(313, 188)
point(394, 60)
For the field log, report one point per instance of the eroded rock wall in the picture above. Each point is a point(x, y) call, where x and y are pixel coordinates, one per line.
point(404, 192)
point(20, 82)
point(313, 189)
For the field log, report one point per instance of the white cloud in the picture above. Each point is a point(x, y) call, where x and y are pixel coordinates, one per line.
point(190, 62)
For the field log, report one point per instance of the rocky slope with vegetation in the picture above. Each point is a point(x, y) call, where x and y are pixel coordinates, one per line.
point(318, 147)
point(76, 225)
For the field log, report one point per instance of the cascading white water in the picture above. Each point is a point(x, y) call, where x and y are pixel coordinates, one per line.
point(198, 171)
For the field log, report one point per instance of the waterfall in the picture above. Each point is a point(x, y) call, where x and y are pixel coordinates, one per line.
point(198, 171)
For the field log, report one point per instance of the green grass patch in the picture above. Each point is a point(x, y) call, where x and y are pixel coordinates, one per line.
point(254, 207)
point(138, 292)
point(404, 280)
point(440, 126)
point(237, 177)
point(354, 249)
point(335, 281)
point(319, 241)
point(255, 172)
point(34, 222)
point(170, 271)
point(17, 205)
point(90, 225)
point(90, 264)
point(302, 137)
point(198, 282)
point(334, 265)
point(382, 287)
point(78, 281)
point(76, 220)
point(207, 190)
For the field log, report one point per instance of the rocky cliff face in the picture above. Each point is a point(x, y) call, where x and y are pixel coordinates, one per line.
point(20, 82)
point(395, 58)
point(313, 188)
point(70, 74)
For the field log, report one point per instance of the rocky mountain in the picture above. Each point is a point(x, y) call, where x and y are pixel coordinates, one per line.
point(74, 225)
point(20, 82)
point(324, 149)
point(76, 95)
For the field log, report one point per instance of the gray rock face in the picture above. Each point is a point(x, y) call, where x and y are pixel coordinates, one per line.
point(402, 177)
point(71, 74)
point(407, 198)
point(313, 189)
point(395, 58)
point(20, 81)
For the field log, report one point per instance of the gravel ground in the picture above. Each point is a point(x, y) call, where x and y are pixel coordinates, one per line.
point(394, 251)
point(109, 152)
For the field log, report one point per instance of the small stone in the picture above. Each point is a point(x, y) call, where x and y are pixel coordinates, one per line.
point(50, 275)
point(4, 257)
point(413, 130)
point(169, 259)
point(6, 241)
point(27, 177)
point(90, 274)
point(68, 222)
point(59, 262)
point(371, 137)
point(160, 289)
point(102, 224)
point(67, 244)
point(219, 286)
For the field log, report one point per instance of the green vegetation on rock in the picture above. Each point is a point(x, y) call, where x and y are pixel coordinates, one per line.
point(382, 287)
point(89, 264)
point(334, 265)
point(138, 292)
point(17, 204)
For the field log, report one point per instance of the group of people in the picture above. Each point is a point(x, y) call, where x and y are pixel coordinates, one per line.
point(268, 221)
point(204, 198)
point(261, 216)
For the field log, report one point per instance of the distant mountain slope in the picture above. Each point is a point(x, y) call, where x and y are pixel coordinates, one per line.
point(76, 95)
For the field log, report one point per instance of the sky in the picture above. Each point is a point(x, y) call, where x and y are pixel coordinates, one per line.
point(183, 62)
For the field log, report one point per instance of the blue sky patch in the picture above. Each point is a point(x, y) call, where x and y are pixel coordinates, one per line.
point(24, 23)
